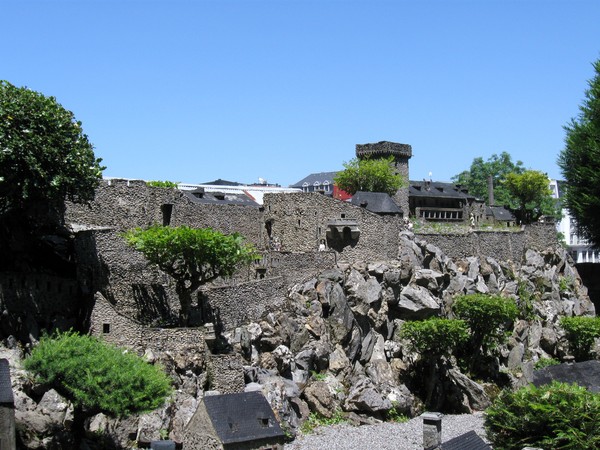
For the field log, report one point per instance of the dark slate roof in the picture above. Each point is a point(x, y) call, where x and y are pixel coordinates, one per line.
point(376, 202)
point(221, 182)
point(242, 417)
point(586, 374)
point(500, 213)
point(321, 177)
point(467, 441)
point(437, 189)
point(219, 198)
point(6, 392)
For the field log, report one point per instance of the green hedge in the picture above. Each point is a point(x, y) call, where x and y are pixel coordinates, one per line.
point(554, 416)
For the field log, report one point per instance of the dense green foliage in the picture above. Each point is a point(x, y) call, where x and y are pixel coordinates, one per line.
point(580, 163)
point(162, 184)
point(98, 377)
point(498, 167)
point(434, 337)
point(554, 416)
point(370, 175)
point(581, 333)
point(45, 155)
point(192, 256)
point(530, 191)
point(488, 317)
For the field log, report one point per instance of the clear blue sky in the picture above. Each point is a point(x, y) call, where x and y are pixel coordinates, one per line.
point(196, 90)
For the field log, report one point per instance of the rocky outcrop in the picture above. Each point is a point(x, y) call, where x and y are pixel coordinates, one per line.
point(332, 345)
point(337, 334)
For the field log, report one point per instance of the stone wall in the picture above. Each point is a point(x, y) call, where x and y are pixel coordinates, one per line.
point(227, 373)
point(30, 302)
point(299, 222)
point(501, 245)
point(111, 326)
point(124, 204)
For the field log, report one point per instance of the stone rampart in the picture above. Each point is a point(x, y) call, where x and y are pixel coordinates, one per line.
point(118, 329)
point(300, 222)
point(501, 245)
point(125, 204)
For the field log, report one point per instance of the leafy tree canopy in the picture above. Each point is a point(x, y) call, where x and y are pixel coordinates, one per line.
point(44, 154)
point(531, 191)
point(192, 256)
point(370, 175)
point(498, 167)
point(580, 163)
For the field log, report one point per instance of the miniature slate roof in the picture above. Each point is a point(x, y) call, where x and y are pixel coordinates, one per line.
point(437, 189)
point(221, 182)
point(242, 417)
point(6, 392)
point(219, 198)
point(586, 374)
point(376, 202)
point(500, 213)
point(467, 441)
point(320, 177)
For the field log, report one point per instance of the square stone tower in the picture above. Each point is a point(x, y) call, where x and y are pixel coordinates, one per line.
point(401, 154)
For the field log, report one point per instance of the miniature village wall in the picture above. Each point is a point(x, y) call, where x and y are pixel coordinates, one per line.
point(289, 229)
point(300, 222)
point(502, 245)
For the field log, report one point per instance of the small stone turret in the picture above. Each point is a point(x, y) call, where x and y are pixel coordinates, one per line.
point(401, 153)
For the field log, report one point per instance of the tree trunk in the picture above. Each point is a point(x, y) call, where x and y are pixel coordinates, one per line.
point(185, 301)
point(78, 427)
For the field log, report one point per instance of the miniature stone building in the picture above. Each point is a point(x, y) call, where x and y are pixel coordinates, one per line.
point(243, 421)
point(7, 409)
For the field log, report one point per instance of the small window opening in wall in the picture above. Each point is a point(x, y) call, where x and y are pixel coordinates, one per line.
point(319, 231)
point(298, 222)
point(343, 216)
point(106, 328)
point(167, 211)
point(264, 422)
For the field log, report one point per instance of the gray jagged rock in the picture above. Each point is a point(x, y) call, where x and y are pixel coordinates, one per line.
point(416, 302)
point(364, 397)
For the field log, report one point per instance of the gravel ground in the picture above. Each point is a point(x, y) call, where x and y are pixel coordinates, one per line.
point(392, 436)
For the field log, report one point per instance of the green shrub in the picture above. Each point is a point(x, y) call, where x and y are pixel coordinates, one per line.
point(488, 318)
point(98, 377)
point(558, 415)
point(545, 362)
point(163, 184)
point(316, 420)
point(581, 333)
point(435, 336)
point(526, 298)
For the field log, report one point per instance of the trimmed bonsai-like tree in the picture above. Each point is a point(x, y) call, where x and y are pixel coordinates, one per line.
point(433, 339)
point(488, 317)
point(97, 377)
point(581, 332)
point(192, 256)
